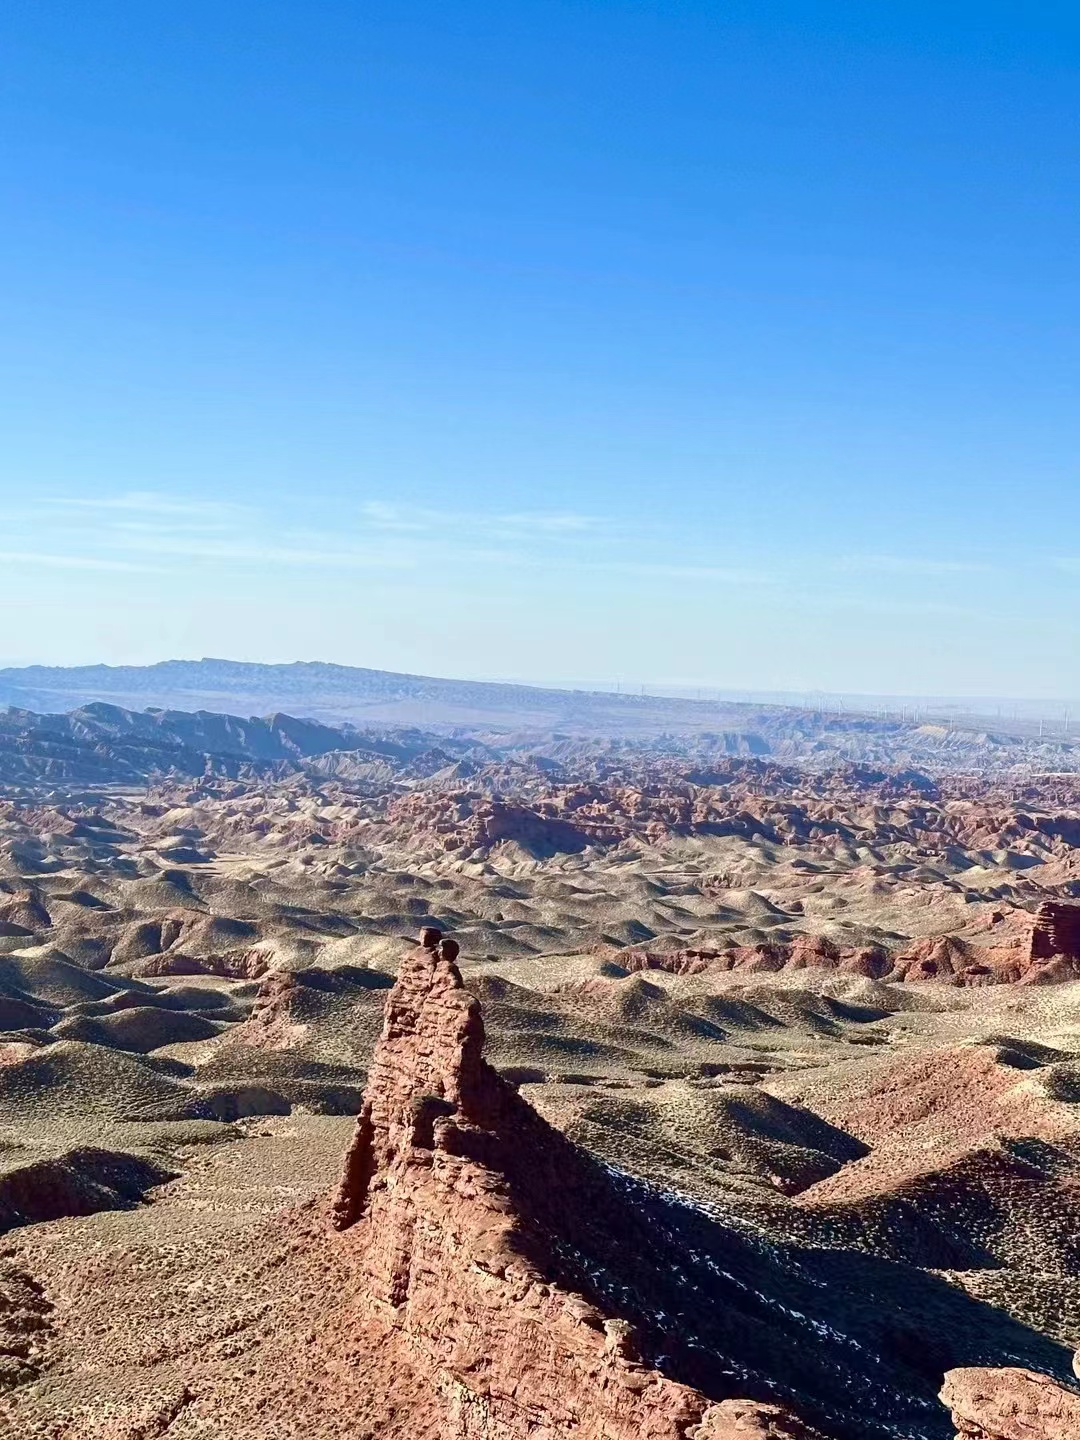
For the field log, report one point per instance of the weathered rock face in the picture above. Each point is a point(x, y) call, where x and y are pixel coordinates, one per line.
point(1046, 950)
point(271, 1024)
point(249, 964)
point(1055, 944)
point(803, 953)
point(1010, 1405)
point(456, 1196)
point(1056, 931)
point(25, 1326)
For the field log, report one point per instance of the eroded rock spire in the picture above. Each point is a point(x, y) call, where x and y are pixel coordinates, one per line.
point(462, 1203)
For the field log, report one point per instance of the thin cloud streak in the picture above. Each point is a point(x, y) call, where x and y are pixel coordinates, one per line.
point(121, 532)
point(148, 502)
point(73, 562)
point(269, 552)
point(909, 565)
point(141, 531)
point(675, 571)
point(417, 520)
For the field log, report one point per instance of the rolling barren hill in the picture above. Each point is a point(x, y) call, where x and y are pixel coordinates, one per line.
point(743, 1104)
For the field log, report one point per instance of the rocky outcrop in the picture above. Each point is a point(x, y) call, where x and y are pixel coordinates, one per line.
point(567, 818)
point(803, 953)
point(1055, 944)
point(675, 962)
point(445, 1256)
point(956, 961)
point(1045, 951)
point(1010, 1404)
point(471, 1219)
point(272, 1024)
point(250, 964)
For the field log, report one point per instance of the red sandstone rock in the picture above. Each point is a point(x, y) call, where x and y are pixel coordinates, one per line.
point(1056, 931)
point(448, 1193)
point(675, 962)
point(568, 818)
point(271, 1025)
point(1055, 945)
point(802, 953)
point(1010, 1404)
point(747, 1420)
point(250, 964)
point(956, 961)
point(1047, 951)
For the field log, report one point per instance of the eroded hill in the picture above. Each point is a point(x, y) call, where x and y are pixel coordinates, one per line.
point(807, 1034)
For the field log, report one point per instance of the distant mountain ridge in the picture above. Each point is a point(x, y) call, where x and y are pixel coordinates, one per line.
point(105, 744)
point(337, 693)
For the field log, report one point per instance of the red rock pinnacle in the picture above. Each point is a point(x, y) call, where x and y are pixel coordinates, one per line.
point(452, 1190)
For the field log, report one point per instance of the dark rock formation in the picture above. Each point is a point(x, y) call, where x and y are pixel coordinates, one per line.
point(23, 914)
point(250, 964)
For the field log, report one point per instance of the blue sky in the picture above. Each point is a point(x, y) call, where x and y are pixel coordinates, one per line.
point(732, 345)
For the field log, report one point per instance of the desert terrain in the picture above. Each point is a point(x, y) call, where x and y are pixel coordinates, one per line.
point(734, 1089)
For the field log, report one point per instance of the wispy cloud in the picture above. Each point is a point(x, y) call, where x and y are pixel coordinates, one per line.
point(918, 607)
point(140, 530)
point(550, 523)
point(404, 519)
point(314, 550)
point(148, 502)
point(421, 520)
point(71, 562)
point(909, 565)
point(653, 570)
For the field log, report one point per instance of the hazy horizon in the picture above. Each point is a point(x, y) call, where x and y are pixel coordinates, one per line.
point(1049, 707)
